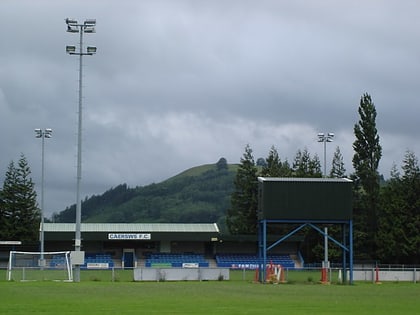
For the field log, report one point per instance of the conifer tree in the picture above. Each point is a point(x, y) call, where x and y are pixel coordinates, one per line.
point(399, 217)
point(411, 192)
point(272, 166)
point(301, 163)
point(242, 216)
point(286, 170)
point(315, 167)
point(337, 169)
point(410, 167)
point(305, 166)
point(368, 152)
point(3, 218)
point(8, 201)
point(21, 215)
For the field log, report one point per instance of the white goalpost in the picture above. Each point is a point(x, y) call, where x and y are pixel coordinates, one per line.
point(36, 266)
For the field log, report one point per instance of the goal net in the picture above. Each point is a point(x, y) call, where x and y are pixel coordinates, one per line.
point(37, 266)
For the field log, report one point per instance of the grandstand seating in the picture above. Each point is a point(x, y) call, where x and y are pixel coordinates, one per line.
point(232, 261)
point(94, 258)
point(175, 260)
point(57, 261)
point(248, 261)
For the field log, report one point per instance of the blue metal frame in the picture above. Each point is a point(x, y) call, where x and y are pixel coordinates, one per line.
point(262, 241)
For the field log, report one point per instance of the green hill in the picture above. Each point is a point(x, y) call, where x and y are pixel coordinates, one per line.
point(198, 195)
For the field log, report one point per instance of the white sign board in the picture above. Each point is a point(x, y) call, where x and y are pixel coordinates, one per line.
point(129, 236)
point(97, 265)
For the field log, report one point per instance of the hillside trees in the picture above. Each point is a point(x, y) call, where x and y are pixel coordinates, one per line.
point(398, 236)
point(368, 152)
point(242, 215)
point(222, 164)
point(198, 195)
point(20, 215)
point(96, 204)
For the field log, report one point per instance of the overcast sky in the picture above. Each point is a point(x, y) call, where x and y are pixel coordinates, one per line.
point(177, 84)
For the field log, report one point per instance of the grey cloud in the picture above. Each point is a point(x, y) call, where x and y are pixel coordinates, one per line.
point(181, 83)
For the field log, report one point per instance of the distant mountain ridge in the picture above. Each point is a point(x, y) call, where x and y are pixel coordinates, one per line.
point(198, 195)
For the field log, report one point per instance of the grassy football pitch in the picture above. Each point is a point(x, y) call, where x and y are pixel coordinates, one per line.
point(236, 296)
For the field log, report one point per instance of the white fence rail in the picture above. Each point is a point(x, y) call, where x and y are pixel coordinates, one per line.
point(380, 275)
point(178, 274)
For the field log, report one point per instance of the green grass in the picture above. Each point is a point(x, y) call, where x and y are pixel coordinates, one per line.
point(127, 275)
point(95, 295)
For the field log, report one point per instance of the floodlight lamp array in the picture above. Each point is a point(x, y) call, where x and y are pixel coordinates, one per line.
point(91, 50)
point(48, 133)
point(325, 138)
point(71, 49)
point(39, 133)
point(87, 27)
point(72, 26)
point(90, 22)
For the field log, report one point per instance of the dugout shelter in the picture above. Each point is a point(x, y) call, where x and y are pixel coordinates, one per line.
point(306, 202)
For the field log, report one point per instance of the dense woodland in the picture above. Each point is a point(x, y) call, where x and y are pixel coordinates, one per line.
point(201, 194)
point(386, 213)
